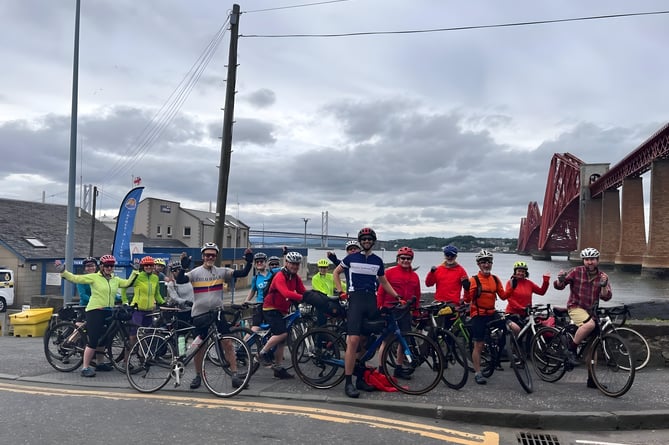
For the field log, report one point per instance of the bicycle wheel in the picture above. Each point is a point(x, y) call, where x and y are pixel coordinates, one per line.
point(638, 346)
point(456, 371)
point(64, 346)
point(150, 363)
point(318, 358)
point(253, 343)
point(218, 375)
point(548, 354)
point(611, 365)
point(421, 360)
point(116, 350)
point(464, 340)
point(518, 364)
point(489, 358)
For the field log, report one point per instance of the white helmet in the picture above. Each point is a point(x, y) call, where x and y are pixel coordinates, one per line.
point(210, 246)
point(294, 257)
point(483, 255)
point(352, 243)
point(589, 252)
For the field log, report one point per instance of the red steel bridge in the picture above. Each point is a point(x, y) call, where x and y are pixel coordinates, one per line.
point(574, 189)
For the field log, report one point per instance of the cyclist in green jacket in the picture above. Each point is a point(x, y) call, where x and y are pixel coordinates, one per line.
point(104, 285)
point(147, 285)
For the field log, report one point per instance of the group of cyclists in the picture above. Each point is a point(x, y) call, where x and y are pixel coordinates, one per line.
point(367, 287)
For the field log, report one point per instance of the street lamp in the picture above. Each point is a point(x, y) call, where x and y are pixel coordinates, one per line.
point(306, 220)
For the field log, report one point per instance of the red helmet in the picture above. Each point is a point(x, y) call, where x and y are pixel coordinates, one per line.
point(107, 259)
point(408, 251)
point(147, 261)
point(366, 231)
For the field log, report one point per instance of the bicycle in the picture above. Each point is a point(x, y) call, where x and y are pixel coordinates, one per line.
point(459, 326)
point(608, 357)
point(613, 320)
point(456, 370)
point(498, 334)
point(297, 322)
point(318, 355)
point(536, 317)
point(65, 342)
point(153, 360)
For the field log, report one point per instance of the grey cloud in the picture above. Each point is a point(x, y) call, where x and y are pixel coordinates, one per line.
point(261, 98)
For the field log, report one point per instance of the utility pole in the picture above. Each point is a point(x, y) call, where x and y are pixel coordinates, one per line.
point(95, 200)
point(68, 290)
point(306, 220)
point(226, 140)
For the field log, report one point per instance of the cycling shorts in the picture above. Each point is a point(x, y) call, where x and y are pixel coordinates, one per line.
point(361, 305)
point(276, 322)
point(479, 326)
point(96, 325)
point(257, 318)
point(140, 318)
point(203, 321)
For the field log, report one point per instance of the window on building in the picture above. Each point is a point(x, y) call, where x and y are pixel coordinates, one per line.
point(35, 242)
point(186, 231)
point(169, 230)
point(159, 231)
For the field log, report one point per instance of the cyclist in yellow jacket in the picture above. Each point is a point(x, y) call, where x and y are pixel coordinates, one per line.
point(147, 294)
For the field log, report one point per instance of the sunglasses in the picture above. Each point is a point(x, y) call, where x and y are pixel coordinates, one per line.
point(485, 262)
point(260, 261)
point(366, 238)
point(404, 258)
point(209, 255)
point(108, 265)
point(450, 256)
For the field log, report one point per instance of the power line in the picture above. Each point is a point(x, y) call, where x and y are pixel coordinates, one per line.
point(303, 5)
point(154, 128)
point(459, 28)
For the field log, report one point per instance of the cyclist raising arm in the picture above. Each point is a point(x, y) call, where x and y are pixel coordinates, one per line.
point(519, 290)
point(586, 286)
point(207, 281)
point(104, 285)
point(484, 288)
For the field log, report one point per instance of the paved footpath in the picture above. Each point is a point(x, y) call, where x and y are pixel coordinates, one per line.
point(567, 404)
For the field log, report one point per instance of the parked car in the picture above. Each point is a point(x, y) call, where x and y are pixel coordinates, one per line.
point(6, 289)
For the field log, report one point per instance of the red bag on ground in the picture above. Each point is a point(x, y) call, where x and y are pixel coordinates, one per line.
point(378, 380)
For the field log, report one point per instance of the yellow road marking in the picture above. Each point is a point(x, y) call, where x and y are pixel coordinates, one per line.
point(328, 415)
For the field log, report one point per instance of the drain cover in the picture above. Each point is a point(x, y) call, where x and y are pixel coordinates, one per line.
point(537, 439)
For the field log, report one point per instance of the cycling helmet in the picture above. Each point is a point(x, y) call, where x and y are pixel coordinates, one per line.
point(107, 259)
point(450, 251)
point(408, 251)
point(589, 252)
point(148, 261)
point(175, 265)
point(89, 260)
point(159, 262)
point(366, 231)
point(483, 255)
point(260, 256)
point(520, 265)
point(323, 263)
point(209, 246)
point(274, 260)
point(352, 243)
point(294, 257)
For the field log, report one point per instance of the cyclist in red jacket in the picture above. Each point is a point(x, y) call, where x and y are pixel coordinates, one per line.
point(519, 290)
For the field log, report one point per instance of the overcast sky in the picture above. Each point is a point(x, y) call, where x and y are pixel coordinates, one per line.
point(415, 134)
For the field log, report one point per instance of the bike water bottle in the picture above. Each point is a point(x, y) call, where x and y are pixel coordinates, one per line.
point(193, 346)
point(181, 342)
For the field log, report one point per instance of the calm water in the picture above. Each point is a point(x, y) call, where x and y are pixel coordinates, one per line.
point(627, 287)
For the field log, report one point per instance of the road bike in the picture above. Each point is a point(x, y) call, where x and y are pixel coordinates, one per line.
point(318, 355)
point(613, 320)
point(65, 342)
point(299, 321)
point(456, 370)
point(608, 357)
point(154, 360)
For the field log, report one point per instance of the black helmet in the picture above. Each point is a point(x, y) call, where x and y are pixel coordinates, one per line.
point(89, 260)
